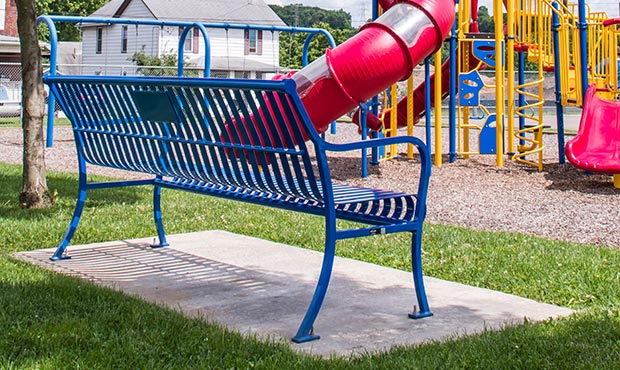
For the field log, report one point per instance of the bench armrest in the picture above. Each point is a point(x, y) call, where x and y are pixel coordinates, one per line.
point(375, 143)
point(425, 159)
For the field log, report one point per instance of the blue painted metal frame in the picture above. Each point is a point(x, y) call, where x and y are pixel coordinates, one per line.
point(364, 128)
point(559, 111)
point(521, 82)
point(53, 63)
point(241, 140)
point(453, 84)
point(181, 49)
point(583, 45)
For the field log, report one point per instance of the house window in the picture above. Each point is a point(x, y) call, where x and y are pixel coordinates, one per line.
point(99, 40)
point(253, 41)
point(195, 40)
point(124, 35)
point(191, 40)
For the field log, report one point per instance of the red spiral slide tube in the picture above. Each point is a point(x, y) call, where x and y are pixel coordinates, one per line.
point(383, 52)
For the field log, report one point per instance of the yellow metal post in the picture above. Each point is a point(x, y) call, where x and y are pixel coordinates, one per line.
point(437, 100)
point(510, 63)
point(617, 181)
point(393, 119)
point(499, 77)
point(410, 114)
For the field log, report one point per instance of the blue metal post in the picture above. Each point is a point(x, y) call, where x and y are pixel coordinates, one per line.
point(583, 46)
point(521, 78)
point(374, 158)
point(51, 99)
point(306, 48)
point(559, 111)
point(363, 115)
point(181, 49)
point(452, 101)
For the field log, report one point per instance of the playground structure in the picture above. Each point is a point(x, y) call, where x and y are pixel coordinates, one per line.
point(384, 51)
point(576, 44)
point(579, 46)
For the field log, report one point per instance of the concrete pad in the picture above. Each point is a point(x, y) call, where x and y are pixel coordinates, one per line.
point(257, 286)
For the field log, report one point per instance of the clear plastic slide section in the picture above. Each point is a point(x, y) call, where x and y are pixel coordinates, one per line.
point(382, 53)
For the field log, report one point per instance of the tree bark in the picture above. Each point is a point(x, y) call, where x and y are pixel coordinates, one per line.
point(34, 192)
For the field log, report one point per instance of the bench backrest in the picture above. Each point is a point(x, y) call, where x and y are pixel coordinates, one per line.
point(234, 133)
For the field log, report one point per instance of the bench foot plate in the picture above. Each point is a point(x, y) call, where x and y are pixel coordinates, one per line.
point(59, 258)
point(305, 338)
point(420, 315)
point(161, 245)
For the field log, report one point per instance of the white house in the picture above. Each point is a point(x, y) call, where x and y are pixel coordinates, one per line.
point(106, 49)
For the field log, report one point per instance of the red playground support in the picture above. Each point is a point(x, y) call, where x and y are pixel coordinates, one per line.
point(596, 147)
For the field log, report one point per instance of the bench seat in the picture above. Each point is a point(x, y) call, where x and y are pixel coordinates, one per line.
point(352, 203)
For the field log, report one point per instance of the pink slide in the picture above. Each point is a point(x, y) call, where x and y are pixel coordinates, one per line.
point(596, 147)
point(383, 52)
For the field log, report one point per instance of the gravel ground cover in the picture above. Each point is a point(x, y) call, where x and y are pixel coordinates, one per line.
point(559, 202)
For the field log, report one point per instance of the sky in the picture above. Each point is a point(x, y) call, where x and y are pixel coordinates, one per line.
point(361, 10)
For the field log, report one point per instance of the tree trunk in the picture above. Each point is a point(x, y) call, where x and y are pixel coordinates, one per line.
point(34, 192)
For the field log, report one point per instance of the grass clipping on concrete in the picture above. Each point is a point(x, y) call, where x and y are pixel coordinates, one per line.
point(51, 321)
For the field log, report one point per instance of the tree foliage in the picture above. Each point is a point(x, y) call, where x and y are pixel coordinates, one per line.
point(66, 31)
point(297, 15)
point(336, 22)
point(168, 62)
point(485, 21)
point(291, 45)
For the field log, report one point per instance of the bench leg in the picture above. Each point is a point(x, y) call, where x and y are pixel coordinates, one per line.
point(422, 310)
point(305, 333)
point(77, 213)
point(158, 220)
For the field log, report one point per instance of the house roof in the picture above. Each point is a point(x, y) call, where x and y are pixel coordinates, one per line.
point(109, 9)
point(230, 11)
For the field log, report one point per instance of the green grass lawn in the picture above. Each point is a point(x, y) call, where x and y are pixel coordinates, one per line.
point(16, 122)
point(49, 321)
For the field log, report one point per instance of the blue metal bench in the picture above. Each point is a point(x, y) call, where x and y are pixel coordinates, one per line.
point(236, 139)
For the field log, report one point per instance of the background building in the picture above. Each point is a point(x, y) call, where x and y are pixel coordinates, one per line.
point(107, 49)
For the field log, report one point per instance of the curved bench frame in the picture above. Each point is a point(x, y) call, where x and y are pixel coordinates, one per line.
point(244, 140)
